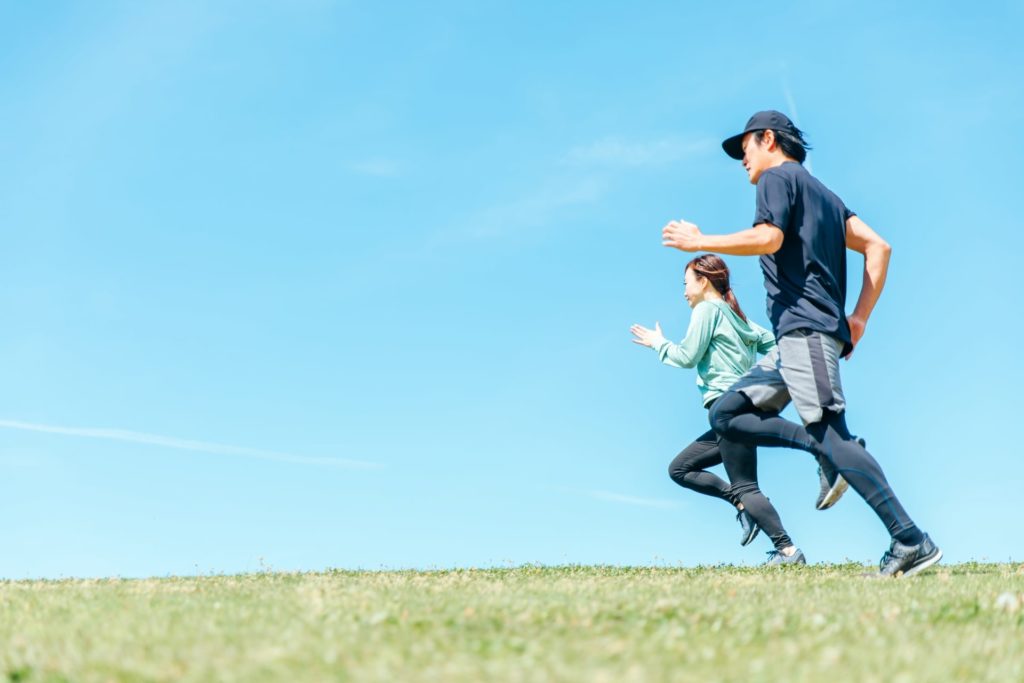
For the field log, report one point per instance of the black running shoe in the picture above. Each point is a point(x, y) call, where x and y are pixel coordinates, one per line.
point(832, 484)
point(749, 527)
point(777, 559)
point(907, 560)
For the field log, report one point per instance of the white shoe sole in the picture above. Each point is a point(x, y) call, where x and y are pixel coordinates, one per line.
point(834, 493)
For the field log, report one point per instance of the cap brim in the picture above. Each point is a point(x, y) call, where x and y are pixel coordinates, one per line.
point(734, 146)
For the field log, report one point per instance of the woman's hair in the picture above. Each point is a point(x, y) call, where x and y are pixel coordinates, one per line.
point(717, 273)
point(792, 143)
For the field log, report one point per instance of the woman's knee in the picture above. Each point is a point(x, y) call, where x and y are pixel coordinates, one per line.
point(679, 468)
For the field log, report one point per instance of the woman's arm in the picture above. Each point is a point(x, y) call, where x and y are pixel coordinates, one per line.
point(766, 340)
point(687, 353)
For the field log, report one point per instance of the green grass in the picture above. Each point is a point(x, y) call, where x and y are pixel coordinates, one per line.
point(821, 623)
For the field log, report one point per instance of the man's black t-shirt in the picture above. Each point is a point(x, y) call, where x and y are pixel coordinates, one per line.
point(806, 277)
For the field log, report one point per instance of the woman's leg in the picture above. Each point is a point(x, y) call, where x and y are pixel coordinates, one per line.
point(688, 468)
point(740, 461)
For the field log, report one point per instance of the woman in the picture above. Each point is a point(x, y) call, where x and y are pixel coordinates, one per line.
point(722, 344)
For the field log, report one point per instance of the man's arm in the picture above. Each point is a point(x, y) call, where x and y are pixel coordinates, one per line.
point(763, 238)
point(864, 240)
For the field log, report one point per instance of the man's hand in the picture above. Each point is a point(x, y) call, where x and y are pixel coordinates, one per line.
point(681, 235)
point(857, 327)
point(646, 337)
point(877, 252)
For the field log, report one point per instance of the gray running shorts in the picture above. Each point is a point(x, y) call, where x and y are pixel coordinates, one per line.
point(803, 368)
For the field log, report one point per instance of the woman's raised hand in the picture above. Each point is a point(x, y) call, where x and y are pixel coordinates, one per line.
point(646, 337)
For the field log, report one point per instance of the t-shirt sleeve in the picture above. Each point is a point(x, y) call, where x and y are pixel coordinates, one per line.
point(774, 200)
point(848, 213)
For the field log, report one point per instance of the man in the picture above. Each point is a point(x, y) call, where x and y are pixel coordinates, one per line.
point(801, 231)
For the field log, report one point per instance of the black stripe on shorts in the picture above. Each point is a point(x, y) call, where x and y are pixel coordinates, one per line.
point(820, 369)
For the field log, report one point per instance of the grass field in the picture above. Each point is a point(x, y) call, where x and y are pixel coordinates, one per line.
point(960, 622)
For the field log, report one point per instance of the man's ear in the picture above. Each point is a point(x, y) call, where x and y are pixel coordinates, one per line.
point(768, 140)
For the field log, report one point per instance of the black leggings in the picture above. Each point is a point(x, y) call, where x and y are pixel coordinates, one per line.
point(742, 427)
point(688, 468)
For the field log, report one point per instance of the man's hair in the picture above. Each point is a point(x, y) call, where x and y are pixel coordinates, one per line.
point(792, 143)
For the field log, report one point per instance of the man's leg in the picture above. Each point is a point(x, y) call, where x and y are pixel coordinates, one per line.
point(910, 551)
point(749, 411)
point(809, 363)
point(864, 474)
point(736, 417)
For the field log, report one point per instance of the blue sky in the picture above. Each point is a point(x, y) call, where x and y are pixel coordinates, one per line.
point(331, 284)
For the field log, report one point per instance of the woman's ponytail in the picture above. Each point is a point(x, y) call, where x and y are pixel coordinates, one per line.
point(734, 304)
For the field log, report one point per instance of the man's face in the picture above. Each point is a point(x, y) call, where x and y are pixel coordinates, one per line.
point(756, 157)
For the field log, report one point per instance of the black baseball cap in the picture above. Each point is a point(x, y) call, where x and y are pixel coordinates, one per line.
point(762, 120)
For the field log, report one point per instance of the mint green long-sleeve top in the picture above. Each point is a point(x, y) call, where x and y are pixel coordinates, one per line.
point(719, 344)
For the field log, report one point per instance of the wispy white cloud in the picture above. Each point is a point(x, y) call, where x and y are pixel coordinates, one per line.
point(632, 500)
point(617, 152)
point(185, 444)
point(787, 92)
point(793, 113)
point(527, 215)
point(380, 167)
point(534, 210)
point(603, 158)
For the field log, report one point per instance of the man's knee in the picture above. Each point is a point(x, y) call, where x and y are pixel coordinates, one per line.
point(836, 421)
point(831, 429)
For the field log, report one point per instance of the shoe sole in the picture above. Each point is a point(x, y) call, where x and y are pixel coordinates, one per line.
point(834, 493)
point(753, 534)
point(924, 564)
point(839, 488)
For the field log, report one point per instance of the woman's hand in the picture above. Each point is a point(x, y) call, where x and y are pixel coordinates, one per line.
point(646, 337)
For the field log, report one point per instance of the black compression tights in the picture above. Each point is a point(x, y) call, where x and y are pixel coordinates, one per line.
point(740, 462)
point(688, 469)
point(743, 427)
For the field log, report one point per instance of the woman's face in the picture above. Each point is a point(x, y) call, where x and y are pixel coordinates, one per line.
point(695, 287)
